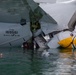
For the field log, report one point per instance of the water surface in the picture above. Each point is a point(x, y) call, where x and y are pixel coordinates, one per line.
point(18, 61)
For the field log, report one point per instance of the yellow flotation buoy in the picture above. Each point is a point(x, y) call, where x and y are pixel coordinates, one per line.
point(69, 42)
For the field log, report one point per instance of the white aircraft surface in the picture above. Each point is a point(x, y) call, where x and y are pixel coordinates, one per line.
point(15, 18)
point(64, 13)
point(61, 13)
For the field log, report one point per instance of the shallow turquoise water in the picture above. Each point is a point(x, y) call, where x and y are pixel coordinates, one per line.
point(18, 61)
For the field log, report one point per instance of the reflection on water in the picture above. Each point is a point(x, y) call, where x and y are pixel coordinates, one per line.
point(18, 61)
point(67, 62)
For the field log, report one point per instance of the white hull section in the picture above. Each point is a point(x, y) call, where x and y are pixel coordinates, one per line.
point(13, 34)
point(53, 43)
point(63, 35)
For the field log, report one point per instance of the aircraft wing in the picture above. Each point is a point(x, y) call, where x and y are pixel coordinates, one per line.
point(61, 12)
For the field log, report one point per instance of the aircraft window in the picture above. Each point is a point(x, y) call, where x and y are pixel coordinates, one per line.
point(23, 22)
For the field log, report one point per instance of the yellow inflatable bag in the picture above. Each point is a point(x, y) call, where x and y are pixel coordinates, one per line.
point(69, 42)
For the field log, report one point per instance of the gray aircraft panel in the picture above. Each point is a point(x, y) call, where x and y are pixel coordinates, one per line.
point(14, 10)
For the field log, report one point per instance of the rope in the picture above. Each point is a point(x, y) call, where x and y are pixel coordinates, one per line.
point(73, 41)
